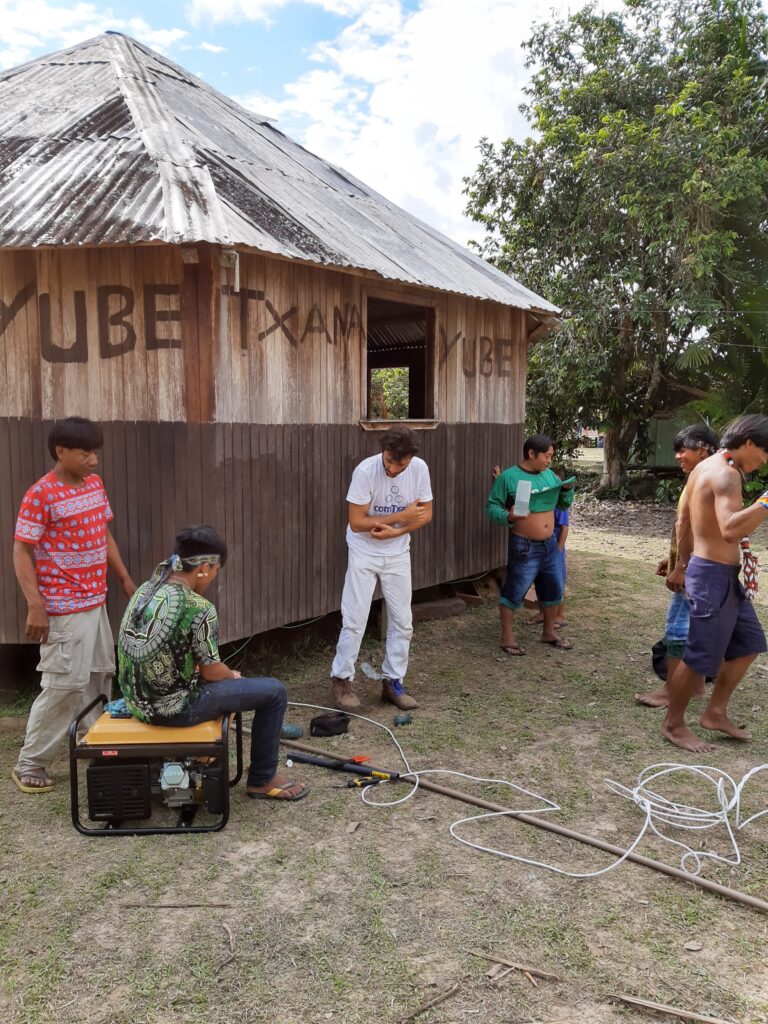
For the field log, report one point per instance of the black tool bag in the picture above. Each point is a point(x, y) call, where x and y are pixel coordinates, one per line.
point(334, 723)
point(659, 659)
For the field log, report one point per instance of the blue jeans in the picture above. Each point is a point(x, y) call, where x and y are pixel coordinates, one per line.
point(266, 697)
point(539, 561)
point(676, 628)
point(678, 617)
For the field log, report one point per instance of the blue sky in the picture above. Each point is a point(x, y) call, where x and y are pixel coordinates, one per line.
point(398, 92)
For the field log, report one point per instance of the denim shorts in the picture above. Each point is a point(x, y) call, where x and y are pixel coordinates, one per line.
point(724, 625)
point(678, 621)
point(533, 561)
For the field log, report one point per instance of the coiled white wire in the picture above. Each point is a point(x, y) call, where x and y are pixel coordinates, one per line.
point(658, 809)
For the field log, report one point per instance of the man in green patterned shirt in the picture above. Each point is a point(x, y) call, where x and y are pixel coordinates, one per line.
point(161, 648)
point(169, 668)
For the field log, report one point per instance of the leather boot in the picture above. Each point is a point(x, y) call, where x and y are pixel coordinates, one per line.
point(343, 698)
point(393, 692)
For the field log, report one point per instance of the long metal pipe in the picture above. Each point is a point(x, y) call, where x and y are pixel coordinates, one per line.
point(566, 833)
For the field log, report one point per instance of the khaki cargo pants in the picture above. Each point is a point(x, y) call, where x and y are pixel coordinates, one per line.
point(77, 662)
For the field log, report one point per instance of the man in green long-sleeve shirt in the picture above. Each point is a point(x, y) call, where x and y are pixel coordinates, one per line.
point(534, 555)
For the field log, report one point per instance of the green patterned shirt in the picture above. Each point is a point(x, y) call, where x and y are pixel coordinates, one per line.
point(157, 656)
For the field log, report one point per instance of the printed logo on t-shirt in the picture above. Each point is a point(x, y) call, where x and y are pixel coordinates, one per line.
point(395, 502)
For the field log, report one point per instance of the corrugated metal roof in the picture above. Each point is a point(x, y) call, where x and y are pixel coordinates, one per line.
point(109, 142)
point(395, 326)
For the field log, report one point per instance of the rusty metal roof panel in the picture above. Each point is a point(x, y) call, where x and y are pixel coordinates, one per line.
point(81, 193)
point(232, 132)
point(368, 232)
point(109, 142)
point(43, 101)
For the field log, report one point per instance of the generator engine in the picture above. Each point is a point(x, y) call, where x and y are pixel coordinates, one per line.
point(136, 772)
point(127, 789)
point(178, 782)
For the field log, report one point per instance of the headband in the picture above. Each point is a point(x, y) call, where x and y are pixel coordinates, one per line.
point(162, 573)
point(176, 562)
point(694, 446)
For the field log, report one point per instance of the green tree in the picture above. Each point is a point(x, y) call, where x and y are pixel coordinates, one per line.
point(733, 361)
point(630, 204)
point(389, 392)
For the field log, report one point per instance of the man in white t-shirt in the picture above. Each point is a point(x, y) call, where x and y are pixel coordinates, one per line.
point(389, 498)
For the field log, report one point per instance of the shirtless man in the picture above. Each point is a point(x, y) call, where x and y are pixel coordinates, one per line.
point(725, 636)
point(691, 445)
point(534, 554)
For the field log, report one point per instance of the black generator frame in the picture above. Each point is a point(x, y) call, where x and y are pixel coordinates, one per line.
point(144, 752)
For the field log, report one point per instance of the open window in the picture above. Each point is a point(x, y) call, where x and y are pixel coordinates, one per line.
point(400, 360)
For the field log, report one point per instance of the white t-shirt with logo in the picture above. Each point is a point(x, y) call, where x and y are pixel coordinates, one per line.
point(386, 496)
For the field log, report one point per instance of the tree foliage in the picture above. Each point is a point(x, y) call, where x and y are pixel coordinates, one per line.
point(733, 361)
point(631, 203)
point(389, 393)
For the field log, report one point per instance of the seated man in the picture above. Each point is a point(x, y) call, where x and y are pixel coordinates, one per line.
point(169, 667)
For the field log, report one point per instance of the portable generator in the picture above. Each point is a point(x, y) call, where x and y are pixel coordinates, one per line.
point(133, 769)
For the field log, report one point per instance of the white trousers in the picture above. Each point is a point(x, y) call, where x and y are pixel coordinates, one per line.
point(77, 662)
point(394, 575)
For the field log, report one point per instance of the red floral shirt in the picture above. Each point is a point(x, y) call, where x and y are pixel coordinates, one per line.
point(68, 527)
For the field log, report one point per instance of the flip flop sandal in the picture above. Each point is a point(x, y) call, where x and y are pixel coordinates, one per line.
point(513, 650)
point(560, 644)
point(33, 773)
point(274, 794)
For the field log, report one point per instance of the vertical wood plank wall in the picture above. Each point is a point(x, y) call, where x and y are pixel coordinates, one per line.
point(291, 347)
point(242, 410)
point(277, 494)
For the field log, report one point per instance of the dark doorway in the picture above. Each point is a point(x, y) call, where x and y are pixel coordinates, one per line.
point(400, 360)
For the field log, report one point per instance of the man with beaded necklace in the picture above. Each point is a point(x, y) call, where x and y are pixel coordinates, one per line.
point(725, 636)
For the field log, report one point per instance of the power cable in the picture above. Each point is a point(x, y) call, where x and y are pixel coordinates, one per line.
point(659, 810)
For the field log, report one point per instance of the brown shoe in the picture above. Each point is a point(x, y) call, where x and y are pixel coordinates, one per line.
point(393, 692)
point(343, 698)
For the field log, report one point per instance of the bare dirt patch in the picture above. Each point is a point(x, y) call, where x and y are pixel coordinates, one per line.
point(364, 926)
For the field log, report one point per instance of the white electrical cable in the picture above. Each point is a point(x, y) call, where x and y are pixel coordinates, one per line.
point(658, 809)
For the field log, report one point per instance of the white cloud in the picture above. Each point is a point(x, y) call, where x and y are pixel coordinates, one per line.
point(160, 39)
point(262, 10)
point(212, 48)
point(27, 26)
point(401, 98)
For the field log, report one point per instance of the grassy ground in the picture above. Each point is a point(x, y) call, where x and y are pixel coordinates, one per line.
point(589, 458)
point(330, 924)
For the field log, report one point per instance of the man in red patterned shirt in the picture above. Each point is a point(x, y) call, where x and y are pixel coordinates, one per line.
point(61, 550)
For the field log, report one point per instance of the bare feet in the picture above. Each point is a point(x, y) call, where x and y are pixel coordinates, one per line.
point(536, 620)
point(682, 736)
point(654, 699)
point(721, 723)
point(660, 698)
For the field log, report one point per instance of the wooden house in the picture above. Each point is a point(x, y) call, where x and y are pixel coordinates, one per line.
point(176, 268)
